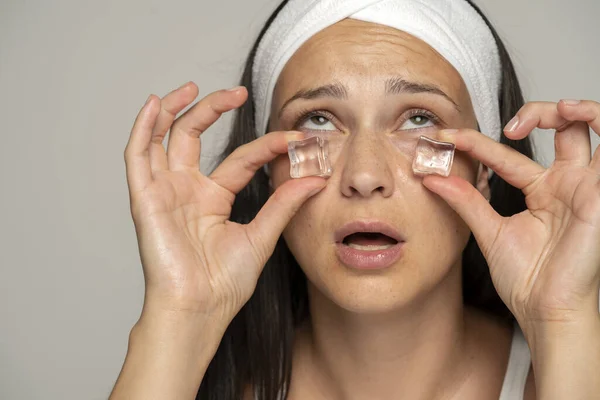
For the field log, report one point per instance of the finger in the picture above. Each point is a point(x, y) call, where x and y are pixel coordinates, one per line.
point(266, 228)
point(170, 106)
point(239, 167)
point(512, 166)
point(137, 156)
point(183, 151)
point(571, 140)
point(470, 205)
point(587, 111)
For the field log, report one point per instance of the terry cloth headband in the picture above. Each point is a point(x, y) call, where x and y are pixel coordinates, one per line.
point(452, 27)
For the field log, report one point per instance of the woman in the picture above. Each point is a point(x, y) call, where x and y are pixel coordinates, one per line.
point(262, 286)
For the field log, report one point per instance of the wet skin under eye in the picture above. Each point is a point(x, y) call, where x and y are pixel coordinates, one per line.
point(322, 121)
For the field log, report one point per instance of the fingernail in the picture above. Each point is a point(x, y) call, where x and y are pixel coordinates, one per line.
point(148, 100)
point(512, 124)
point(294, 136)
point(184, 85)
point(571, 102)
point(235, 89)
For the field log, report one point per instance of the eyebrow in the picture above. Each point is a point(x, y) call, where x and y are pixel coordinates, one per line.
point(399, 85)
point(393, 86)
point(335, 90)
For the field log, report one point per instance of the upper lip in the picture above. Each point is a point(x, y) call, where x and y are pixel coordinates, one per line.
point(367, 226)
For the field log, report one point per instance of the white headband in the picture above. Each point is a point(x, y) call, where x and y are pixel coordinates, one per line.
point(452, 27)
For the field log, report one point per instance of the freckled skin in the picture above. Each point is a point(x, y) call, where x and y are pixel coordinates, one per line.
point(372, 180)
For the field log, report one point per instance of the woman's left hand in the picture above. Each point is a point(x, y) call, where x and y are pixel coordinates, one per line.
point(544, 261)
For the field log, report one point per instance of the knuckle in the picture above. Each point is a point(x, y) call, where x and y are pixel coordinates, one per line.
point(289, 205)
point(237, 157)
point(179, 128)
point(215, 103)
point(593, 107)
point(469, 141)
point(526, 108)
point(258, 245)
point(248, 165)
point(468, 132)
point(537, 107)
point(242, 155)
point(239, 151)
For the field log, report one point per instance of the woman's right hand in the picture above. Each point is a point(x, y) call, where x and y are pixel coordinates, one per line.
point(194, 258)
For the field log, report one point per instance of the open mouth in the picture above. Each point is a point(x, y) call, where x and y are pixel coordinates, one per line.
point(369, 241)
point(369, 244)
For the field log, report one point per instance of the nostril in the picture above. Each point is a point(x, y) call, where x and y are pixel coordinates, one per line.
point(357, 191)
point(366, 180)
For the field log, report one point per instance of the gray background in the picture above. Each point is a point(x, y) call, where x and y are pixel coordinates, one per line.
point(73, 75)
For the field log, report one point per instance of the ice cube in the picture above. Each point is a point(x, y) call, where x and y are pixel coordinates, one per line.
point(433, 157)
point(309, 157)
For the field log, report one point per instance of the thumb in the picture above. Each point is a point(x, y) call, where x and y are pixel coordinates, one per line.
point(264, 230)
point(470, 205)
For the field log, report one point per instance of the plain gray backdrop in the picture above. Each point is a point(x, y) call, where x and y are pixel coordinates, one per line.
point(73, 75)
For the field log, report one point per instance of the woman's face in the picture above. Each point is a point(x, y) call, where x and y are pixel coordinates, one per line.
point(358, 63)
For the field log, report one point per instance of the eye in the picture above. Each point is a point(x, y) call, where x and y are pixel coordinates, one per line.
point(316, 122)
point(419, 119)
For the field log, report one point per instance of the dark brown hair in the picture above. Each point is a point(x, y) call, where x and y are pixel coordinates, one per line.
point(256, 349)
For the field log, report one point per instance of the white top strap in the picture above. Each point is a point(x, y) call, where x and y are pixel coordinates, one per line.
point(519, 362)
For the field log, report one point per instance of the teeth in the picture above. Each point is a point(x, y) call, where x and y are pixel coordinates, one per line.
point(369, 247)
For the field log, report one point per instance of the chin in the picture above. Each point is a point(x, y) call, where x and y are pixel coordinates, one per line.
point(371, 294)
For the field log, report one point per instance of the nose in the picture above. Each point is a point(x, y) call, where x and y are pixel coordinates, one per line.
point(366, 168)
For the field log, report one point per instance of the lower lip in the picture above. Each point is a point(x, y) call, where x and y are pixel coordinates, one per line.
point(364, 259)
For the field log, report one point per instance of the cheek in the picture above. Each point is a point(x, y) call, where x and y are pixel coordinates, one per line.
point(301, 231)
point(442, 230)
point(310, 240)
point(465, 167)
point(444, 233)
point(437, 234)
point(444, 224)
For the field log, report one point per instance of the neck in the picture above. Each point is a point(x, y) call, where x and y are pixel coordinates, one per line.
point(378, 356)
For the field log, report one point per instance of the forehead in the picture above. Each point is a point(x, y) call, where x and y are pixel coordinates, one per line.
point(362, 55)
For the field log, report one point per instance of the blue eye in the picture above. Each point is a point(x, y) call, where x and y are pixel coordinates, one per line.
point(317, 122)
